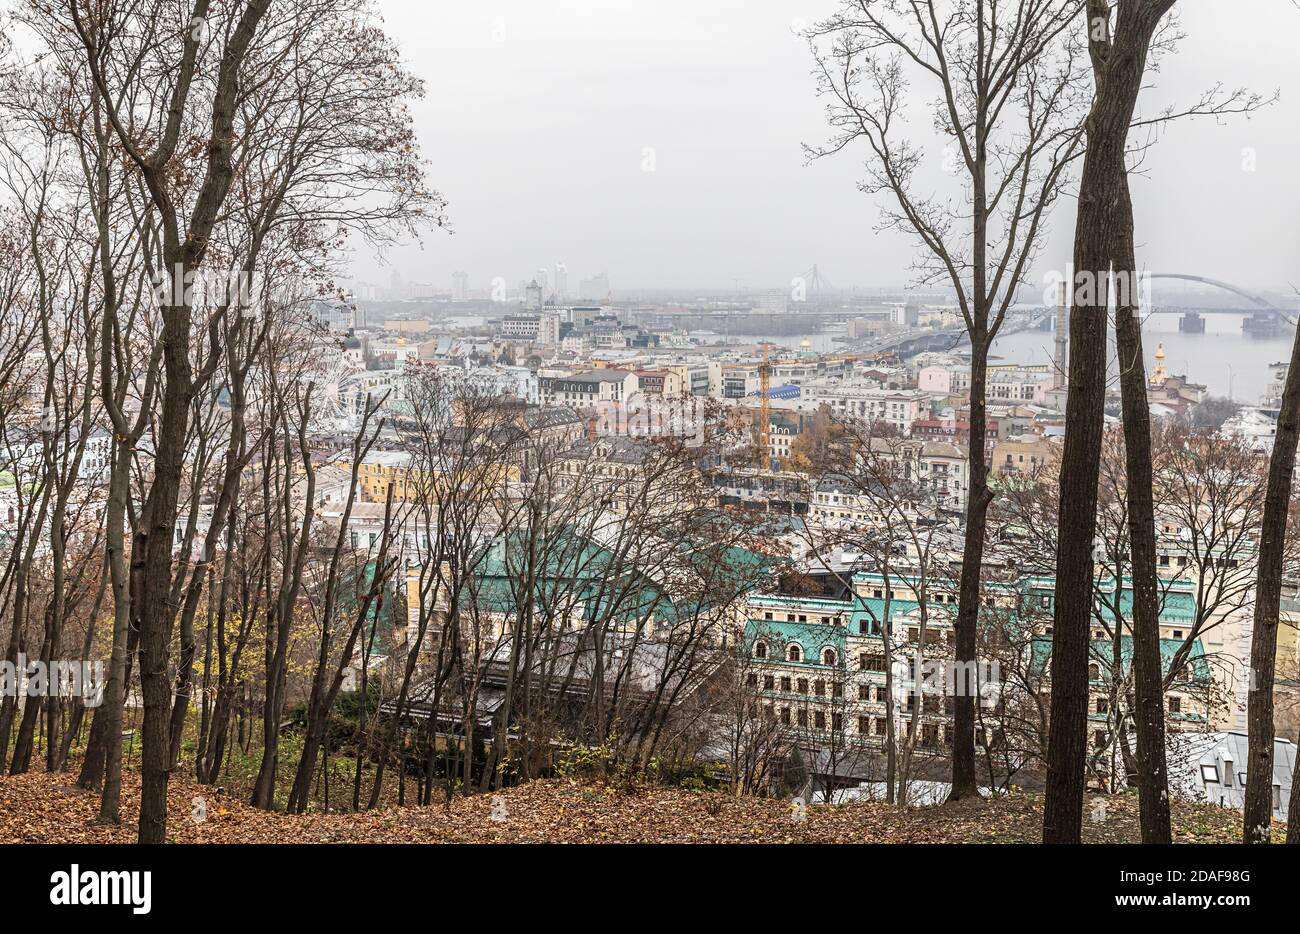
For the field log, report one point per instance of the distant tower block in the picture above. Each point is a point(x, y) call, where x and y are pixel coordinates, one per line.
point(1061, 356)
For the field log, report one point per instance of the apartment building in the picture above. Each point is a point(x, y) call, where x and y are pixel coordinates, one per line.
point(585, 389)
point(898, 408)
point(819, 664)
point(1025, 455)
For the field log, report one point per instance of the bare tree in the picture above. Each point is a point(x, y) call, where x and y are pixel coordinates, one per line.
point(1258, 801)
point(1009, 99)
point(302, 104)
point(1103, 241)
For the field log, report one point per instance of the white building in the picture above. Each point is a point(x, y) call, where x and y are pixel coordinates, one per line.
point(897, 407)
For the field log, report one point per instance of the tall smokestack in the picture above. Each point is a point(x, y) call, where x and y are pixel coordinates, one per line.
point(1061, 357)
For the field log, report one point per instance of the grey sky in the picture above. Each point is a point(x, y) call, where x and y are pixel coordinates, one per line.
point(538, 116)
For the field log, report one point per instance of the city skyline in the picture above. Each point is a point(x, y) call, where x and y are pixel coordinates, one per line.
point(615, 141)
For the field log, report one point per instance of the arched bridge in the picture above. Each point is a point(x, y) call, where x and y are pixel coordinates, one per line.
point(1266, 321)
point(1260, 317)
point(1251, 297)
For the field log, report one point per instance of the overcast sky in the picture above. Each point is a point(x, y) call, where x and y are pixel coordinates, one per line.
point(540, 116)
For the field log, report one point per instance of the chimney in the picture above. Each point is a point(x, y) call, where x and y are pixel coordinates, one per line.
point(1061, 356)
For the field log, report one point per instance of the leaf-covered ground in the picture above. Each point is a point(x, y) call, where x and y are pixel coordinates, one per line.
point(43, 808)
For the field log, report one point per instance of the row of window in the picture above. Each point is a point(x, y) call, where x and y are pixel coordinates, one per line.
point(933, 704)
point(931, 733)
point(794, 653)
point(801, 684)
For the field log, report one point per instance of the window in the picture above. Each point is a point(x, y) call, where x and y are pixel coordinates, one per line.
point(785, 684)
point(864, 692)
point(930, 734)
point(1227, 773)
point(769, 682)
point(803, 685)
point(881, 694)
point(1209, 772)
point(1277, 797)
point(870, 662)
point(785, 715)
point(913, 635)
point(803, 718)
point(819, 688)
point(752, 680)
point(881, 727)
point(794, 653)
point(837, 722)
point(767, 615)
point(1103, 705)
point(828, 656)
point(864, 725)
point(837, 689)
point(760, 650)
point(1175, 705)
point(1099, 738)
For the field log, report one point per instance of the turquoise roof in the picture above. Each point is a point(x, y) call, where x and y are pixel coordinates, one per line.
point(586, 576)
point(1100, 651)
point(811, 638)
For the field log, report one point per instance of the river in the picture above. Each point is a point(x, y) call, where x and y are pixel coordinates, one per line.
point(1228, 362)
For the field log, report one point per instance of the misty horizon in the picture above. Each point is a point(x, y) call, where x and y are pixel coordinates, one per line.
point(661, 145)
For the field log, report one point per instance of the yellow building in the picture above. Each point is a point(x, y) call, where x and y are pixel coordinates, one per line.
point(380, 468)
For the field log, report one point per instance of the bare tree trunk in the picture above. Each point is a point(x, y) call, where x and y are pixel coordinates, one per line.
point(1258, 803)
point(965, 689)
point(1118, 68)
point(1148, 680)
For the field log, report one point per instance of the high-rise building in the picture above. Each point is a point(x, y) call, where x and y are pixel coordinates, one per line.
point(459, 286)
point(595, 288)
point(772, 302)
point(561, 281)
point(533, 295)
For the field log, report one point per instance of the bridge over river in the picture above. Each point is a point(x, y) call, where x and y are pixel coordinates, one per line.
point(1260, 316)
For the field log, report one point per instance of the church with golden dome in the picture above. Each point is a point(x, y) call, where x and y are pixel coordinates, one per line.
point(1172, 394)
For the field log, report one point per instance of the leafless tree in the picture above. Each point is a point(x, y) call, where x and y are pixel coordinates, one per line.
point(1008, 100)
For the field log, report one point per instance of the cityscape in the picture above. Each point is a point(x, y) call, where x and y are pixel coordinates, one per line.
point(371, 471)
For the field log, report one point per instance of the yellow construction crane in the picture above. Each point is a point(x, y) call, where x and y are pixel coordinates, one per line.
point(765, 412)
